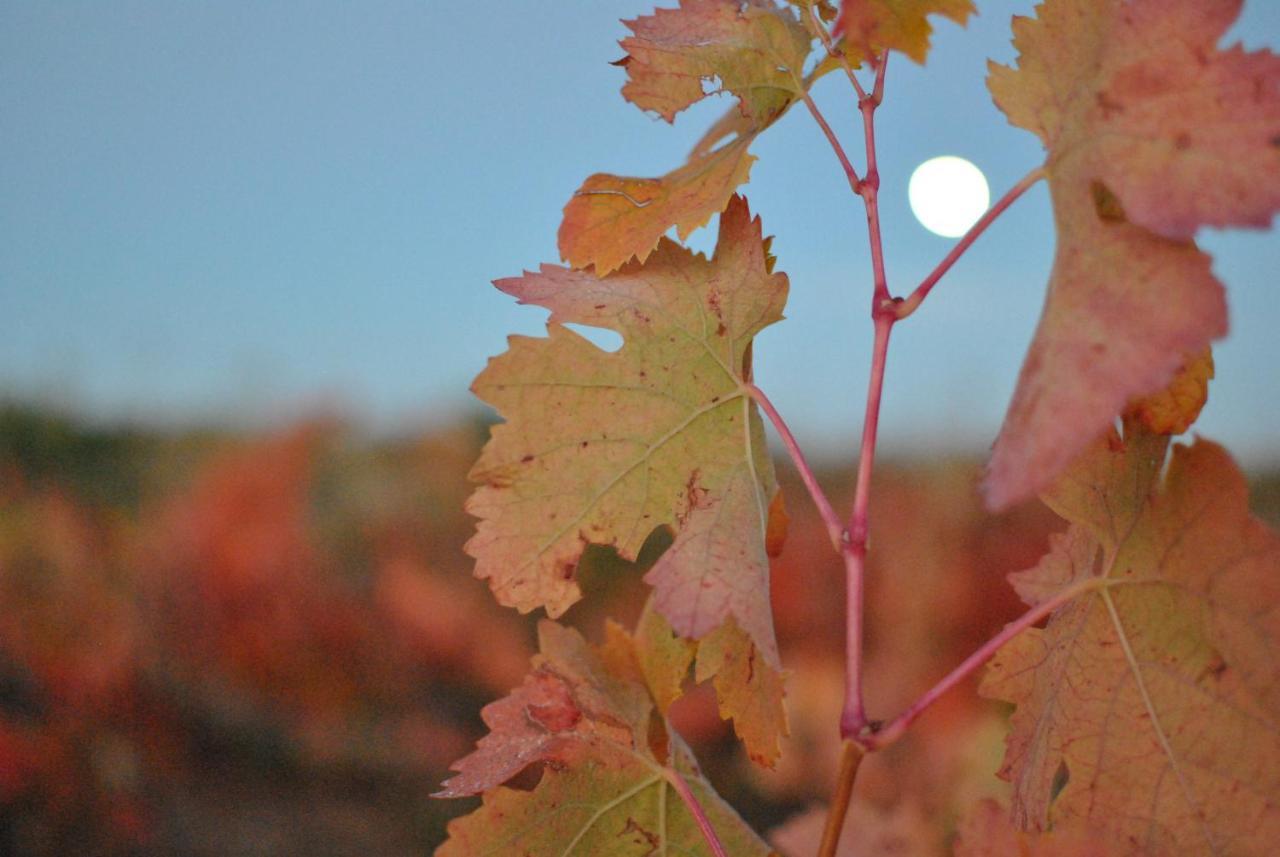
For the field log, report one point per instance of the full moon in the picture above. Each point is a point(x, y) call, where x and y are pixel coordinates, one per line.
point(947, 195)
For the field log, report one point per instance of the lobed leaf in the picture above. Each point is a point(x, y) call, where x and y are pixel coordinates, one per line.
point(613, 219)
point(677, 57)
point(748, 690)
point(751, 49)
point(605, 447)
point(986, 832)
point(1148, 710)
point(1151, 132)
point(605, 788)
point(876, 26)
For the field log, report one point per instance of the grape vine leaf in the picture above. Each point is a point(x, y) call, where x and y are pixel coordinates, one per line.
point(901, 830)
point(605, 447)
point(609, 759)
point(751, 49)
point(874, 26)
point(748, 691)
point(1151, 131)
point(1175, 408)
point(1148, 709)
point(755, 51)
point(986, 831)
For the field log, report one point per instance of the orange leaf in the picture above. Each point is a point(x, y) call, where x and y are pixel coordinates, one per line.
point(1147, 708)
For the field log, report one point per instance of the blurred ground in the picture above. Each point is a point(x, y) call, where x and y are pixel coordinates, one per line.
point(220, 644)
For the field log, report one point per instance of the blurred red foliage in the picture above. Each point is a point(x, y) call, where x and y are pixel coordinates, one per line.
point(224, 645)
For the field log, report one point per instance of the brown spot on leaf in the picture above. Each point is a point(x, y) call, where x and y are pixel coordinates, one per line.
point(1109, 106)
point(641, 836)
point(695, 496)
point(1107, 204)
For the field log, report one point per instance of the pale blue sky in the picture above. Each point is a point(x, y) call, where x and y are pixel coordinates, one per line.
point(239, 210)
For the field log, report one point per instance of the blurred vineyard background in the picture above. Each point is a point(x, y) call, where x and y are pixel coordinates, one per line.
point(222, 643)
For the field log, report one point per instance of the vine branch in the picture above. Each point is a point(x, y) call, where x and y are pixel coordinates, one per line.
point(850, 758)
point(853, 717)
point(850, 173)
point(819, 29)
point(895, 728)
point(835, 531)
point(913, 301)
point(860, 734)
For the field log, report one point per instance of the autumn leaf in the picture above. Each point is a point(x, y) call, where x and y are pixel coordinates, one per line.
point(1136, 95)
point(1123, 306)
point(748, 690)
point(1175, 408)
point(607, 785)
point(753, 50)
point(612, 219)
point(605, 447)
point(875, 26)
point(987, 832)
point(903, 830)
point(1151, 132)
point(1148, 708)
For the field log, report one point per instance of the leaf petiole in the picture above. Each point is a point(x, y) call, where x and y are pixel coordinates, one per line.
point(695, 809)
point(912, 302)
point(895, 728)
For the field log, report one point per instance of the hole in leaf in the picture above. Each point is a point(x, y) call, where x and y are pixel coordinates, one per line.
point(602, 570)
point(1061, 777)
point(605, 340)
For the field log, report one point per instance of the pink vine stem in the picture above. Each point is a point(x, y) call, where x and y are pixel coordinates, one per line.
point(894, 729)
point(921, 292)
point(861, 735)
point(695, 809)
point(835, 530)
point(853, 717)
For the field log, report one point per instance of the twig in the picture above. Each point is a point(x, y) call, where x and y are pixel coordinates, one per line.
point(921, 292)
point(850, 173)
point(695, 809)
point(850, 757)
point(835, 530)
point(853, 718)
point(869, 187)
point(817, 27)
point(895, 728)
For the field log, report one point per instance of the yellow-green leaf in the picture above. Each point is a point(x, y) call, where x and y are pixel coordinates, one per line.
point(604, 447)
point(607, 787)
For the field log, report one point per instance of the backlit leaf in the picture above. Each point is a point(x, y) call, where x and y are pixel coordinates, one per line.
point(748, 689)
point(751, 49)
point(986, 832)
point(875, 26)
point(1175, 408)
point(677, 57)
point(605, 447)
point(1149, 710)
point(1151, 132)
point(606, 786)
